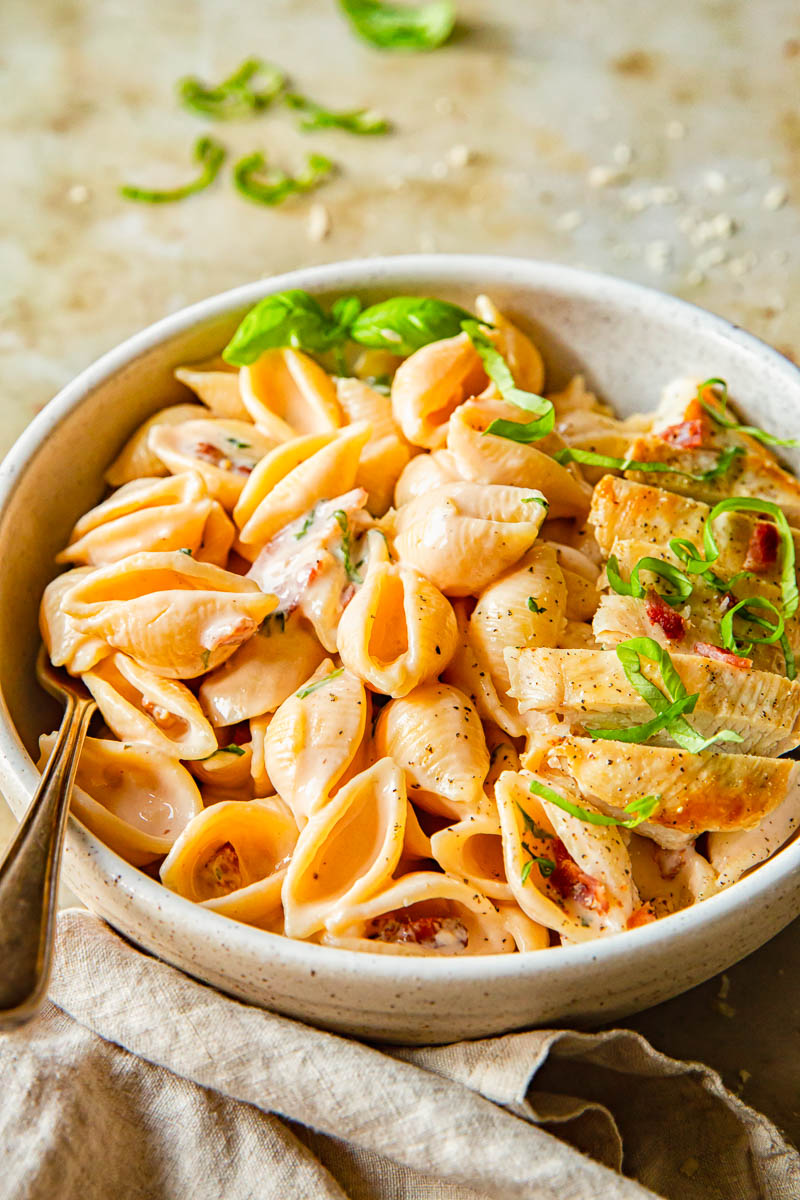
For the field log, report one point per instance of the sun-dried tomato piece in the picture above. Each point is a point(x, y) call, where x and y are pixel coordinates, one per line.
point(762, 549)
point(692, 431)
point(574, 884)
point(660, 613)
point(719, 654)
point(436, 933)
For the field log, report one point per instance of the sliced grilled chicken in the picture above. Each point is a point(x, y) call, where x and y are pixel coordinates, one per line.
point(572, 690)
point(733, 854)
point(699, 792)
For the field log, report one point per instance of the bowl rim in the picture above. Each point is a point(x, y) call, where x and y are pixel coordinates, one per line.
point(440, 270)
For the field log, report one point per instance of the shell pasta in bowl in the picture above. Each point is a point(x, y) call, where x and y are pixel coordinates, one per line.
point(443, 636)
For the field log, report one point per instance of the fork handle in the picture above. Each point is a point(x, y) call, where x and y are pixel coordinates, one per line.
point(29, 875)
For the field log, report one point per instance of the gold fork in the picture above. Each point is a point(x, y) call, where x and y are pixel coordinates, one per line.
point(30, 870)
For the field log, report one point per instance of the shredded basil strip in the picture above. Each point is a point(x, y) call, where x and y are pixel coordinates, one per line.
point(636, 588)
point(612, 463)
point(404, 324)
point(777, 632)
point(363, 121)
point(401, 27)
point(641, 809)
point(276, 186)
point(789, 593)
point(530, 824)
point(291, 318)
point(340, 516)
point(312, 687)
point(235, 96)
point(210, 155)
point(499, 372)
point(720, 415)
point(678, 728)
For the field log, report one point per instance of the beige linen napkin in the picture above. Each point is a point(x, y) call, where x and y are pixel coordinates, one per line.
point(137, 1083)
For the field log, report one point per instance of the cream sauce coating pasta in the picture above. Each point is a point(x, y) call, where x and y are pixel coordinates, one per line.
point(360, 635)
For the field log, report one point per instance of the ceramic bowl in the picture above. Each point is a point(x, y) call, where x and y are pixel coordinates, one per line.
point(628, 341)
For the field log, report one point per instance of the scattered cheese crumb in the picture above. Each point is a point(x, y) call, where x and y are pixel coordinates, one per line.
point(657, 256)
point(715, 182)
point(724, 1009)
point(319, 223)
point(601, 176)
point(714, 256)
point(569, 220)
point(443, 106)
point(460, 155)
point(775, 197)
point(721, 226)
point(78, 193)
point(744, 263)
point(622, 154)
point(689, 1167)
point(694, 277)
point(675, 130)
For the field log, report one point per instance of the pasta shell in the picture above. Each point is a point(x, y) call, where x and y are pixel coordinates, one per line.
point(733, 854)
point(503, 756)
point(310, 564)
point(226, 769)
point(314, 737)
point(489, 458)
point(217, 385)
point(224, 452)
point(397, 631)
point(424, 473)
point(524, 607)
point(232, 859)
point(347, 850)
point(287, 394)
point(134, 798)
point(174, 615)
point(262, 784)
point(262, 673)
point(386, 453)
point(472, 850)
point(67, 645)
point(294, 477)
point(423, 913)
point(139, 706)
point(523, 358)
point(469, 671)
point(581, 576)
point(462, 535)
point(669, 880)
point(430, 385)
point(527, 934)
point(435, 735)
point(148, 514)
point(587, 889)
point(136, 459)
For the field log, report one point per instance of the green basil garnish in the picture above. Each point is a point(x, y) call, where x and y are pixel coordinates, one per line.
point(641, 809)
point(276, 185)
point(499, 372)
point(612, 463)
point(721, 416)
point(776, 632)
point(340, 516)
point(363, 121)
point(679, 580)
point(668, 709)
point(312, 687)
point(406, 323)
point(401, 27)
point(789, 593)
point(291, 318)
point(209, 153)
point(235, 96)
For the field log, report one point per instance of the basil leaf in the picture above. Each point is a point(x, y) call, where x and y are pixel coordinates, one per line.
point(209, 153)
point(291, 318)
point(636, 588)
point(363, 121)
point(531, 825)
point(401, 27)
point(641, 809)
point(640, 733)
point(612, 463)
point(499, 372)
point(340, 516)
point(720, 415)
point(277, 185)
point(406, 323)
point(234, 97)
point(789, 592)
point(312, 687)
point(744, 606)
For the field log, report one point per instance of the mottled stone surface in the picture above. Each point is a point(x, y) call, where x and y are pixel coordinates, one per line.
point(661, 143)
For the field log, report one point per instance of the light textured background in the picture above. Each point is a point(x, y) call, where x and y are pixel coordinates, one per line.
point(658, 142)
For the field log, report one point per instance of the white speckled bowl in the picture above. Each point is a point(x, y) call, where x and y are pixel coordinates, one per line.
point(629, 341)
